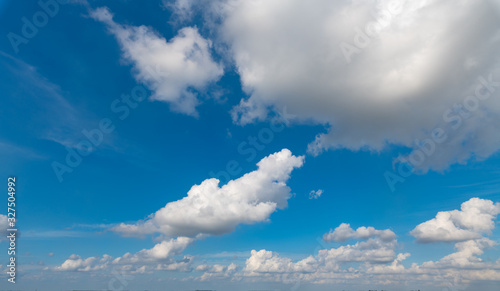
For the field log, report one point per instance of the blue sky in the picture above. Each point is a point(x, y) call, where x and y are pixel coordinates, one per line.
point(276, 100)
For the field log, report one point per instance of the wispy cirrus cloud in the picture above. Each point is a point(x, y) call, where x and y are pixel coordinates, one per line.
point(52, 116)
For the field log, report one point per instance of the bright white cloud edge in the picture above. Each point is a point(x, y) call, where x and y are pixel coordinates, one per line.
point(413, 64)
point(176, 70)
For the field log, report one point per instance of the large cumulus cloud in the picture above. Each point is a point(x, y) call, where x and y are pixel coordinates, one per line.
point(373, 72)
point(210, 209)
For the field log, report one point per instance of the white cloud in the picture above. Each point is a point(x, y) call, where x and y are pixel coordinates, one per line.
point(476, 217)
point(380, 264)
point(160, 251)
point(467, 227)
point(344, 232)
point(181, 8)
point(269, 262)
point(207, 209)
point(210, 209)
point(378, 247)
point(396, 266)
point(372, 251)
point(466, 255)
point(181, 265)
point(375, 253)
point(160, 257)
point(174, 70)
point(422, 62)
point(76, 263)
point(217, 271)
point(315, 194)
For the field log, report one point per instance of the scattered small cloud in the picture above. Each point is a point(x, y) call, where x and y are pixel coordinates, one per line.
point(315, 194)
point(476, 217)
